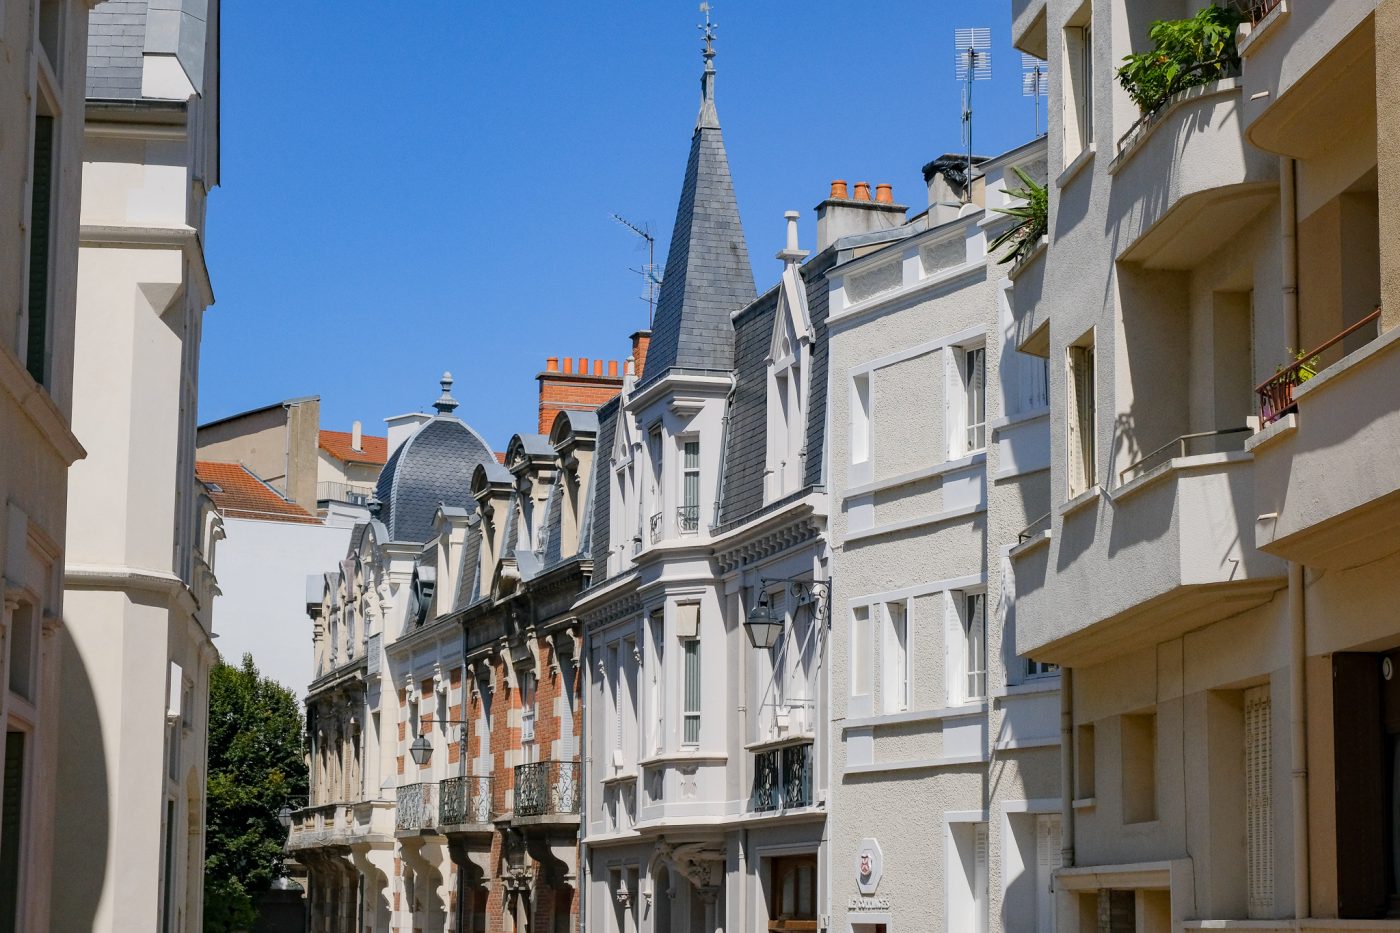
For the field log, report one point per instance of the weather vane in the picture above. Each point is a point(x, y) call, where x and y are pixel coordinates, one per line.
point(709, 31)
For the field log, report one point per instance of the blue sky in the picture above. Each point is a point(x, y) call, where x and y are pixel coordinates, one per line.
point(424, 185)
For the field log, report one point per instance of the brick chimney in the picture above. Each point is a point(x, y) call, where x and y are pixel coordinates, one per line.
point(842, 215)
point(640, 341)
point(569, 390)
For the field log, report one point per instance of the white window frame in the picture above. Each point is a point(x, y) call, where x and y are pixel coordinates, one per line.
point(965, 436)
point(528, 688)
point(689, 645)
point(960, 673)
point(862, 423)
point(1081, 415)
point(684, 472)
point(1077, 88)
point(862, 658)
point(896, 651)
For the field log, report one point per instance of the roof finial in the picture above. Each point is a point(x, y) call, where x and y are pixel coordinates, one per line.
point(445, 403)
point(708, 118)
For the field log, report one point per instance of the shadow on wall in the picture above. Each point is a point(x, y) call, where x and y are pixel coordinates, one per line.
point(82, 823)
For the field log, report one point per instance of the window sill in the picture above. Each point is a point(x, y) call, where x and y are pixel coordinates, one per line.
point(787, 740)
point(1075, 167)
point(977, 708)
point(1082, 501)
point(1040, 683)
point(1084, 803)
point(622, 777)
point(683, 757)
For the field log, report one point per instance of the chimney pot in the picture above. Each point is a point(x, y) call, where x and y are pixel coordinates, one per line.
point(597, 367)
point(357, 441)
point(583, 366)
point(551, 365)
point(612, 369)
point(838, 189)
point(884, 194)
point(568, 365)
point(791, 218)
point(862, 191)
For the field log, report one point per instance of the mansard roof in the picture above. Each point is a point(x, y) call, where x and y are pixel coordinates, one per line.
point(707, 273)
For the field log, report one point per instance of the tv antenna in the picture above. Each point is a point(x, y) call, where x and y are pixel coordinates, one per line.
point(650, 273)
point(1034, 74)
point(973, 63)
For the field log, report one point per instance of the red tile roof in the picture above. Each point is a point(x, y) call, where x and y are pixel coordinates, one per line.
point(337, 444)
point(238, 493)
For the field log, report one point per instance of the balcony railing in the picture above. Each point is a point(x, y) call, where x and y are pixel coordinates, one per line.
point(1034, 529)
point(464, 800)
point(1183, 446)
point(1276, 392)
point(782, 778)
point(343, 492)
point(415, 808)
point(688, 519)
point(1256, 10)
point(546, 787)
point(655, 523)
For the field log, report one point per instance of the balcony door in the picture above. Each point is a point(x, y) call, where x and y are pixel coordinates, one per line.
point(793, 894)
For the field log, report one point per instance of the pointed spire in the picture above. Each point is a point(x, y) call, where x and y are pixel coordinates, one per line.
point(707, 268)
point(445, 404)
point(709, 117)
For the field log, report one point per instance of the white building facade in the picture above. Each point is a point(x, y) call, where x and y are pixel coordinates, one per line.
point(945, 791)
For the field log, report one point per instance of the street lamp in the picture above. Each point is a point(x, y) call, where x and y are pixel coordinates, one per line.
point(765, 627)
point(422, 750)
point(284, 816)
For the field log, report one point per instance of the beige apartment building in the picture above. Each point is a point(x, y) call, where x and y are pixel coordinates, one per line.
point(138, 581)
point(43, 51)
point(1217, 575)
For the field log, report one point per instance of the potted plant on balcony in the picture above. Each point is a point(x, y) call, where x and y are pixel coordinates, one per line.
point(1033, 216)
point(1185, 53)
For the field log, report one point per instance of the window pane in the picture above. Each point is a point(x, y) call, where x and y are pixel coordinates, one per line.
point(895, 688)
point(976, 648)
point(41, 207)
point(692, 691)
point(22, 651)
point(974, 382)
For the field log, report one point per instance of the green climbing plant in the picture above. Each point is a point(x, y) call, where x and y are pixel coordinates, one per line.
point(1185, 53)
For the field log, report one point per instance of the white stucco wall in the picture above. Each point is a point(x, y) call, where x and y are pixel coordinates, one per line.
point(262, 570)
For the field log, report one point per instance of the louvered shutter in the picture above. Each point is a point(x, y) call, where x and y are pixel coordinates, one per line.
point(979, 889)
point(1259, 809)
point(1047, 860)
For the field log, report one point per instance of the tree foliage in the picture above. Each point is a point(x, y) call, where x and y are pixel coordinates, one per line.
point(1034, 217)
point(256, 766)
point(1185, 53)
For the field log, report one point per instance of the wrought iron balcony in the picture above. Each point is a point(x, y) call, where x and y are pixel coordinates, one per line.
point(688, 519)
point(782, 778)
point(544, 788)
point(465, 800)
point(416, 808)
point(1276, 392)
point(656, 528)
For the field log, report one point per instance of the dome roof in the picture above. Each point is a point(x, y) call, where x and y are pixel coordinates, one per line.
point(433, 467)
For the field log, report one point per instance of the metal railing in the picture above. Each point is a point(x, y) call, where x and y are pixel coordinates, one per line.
point(415, 807)
point(343, 492)
point(688, 519)
point(465, 799)
point(1256, 10)
point(1276, 392)
point(546, 787)
point(655, 523)
point(782, 778)
point(1179, 447)
point(1034, 529)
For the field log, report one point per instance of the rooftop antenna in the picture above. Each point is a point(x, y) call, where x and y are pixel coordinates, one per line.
point(1033, 84)
point(974, 63)
point(649, 272)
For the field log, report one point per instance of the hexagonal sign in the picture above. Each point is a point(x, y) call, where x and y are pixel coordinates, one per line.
point(870, 865)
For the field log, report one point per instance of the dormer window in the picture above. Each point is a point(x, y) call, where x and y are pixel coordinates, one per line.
point(789, 355)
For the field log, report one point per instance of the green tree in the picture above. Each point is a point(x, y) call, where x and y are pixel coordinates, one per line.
point(256, 766)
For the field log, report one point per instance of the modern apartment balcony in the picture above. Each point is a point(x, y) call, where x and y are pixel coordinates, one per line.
point(343, 492)
point(1185, 179)
point(1030, 314)
point(416, 811)
point(1169, 550)
point(1028, 26)
point(466, 806)
point(1327, 492)
point(1309, 73)
point(546, 793)
point(782, 778)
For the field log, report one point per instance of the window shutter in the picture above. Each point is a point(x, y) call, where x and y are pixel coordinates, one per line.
point(1259, 809)
point(979, 889)
point(1075, 467)
point(1359, 750)
point(1047, 859)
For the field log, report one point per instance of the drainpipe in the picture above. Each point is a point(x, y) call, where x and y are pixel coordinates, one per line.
point(584, 874)
point(1066, 767)
point(1297, 619)
point(1298, 740)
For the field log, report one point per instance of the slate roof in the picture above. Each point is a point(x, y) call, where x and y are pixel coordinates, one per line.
point(707, 267)
point(434, 466)
point(602, 485)
point(238, 493)
point(116, 46)
point(375, 450)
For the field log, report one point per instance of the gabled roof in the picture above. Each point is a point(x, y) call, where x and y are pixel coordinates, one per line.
point(238, 493)
point(707, 268)
point(374, 450)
